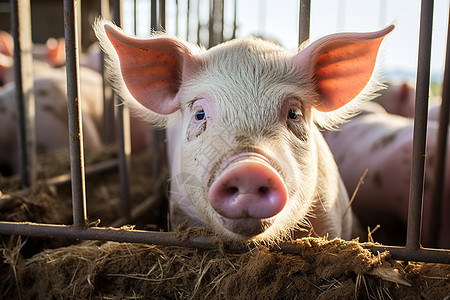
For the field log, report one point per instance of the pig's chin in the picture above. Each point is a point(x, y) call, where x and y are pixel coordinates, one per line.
point(246, 227)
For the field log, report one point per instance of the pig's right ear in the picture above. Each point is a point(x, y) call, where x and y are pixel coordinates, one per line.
point(152, 69)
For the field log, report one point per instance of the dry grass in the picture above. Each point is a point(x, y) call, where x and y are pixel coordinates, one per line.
point(324, 269)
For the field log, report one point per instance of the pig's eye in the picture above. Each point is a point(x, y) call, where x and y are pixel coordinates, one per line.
point(200, 115)
point(292, 114)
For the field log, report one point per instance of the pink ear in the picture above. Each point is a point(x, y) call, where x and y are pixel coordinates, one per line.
point(152, 69)
point(341, 65)
point(56, 53)
point(6, 43)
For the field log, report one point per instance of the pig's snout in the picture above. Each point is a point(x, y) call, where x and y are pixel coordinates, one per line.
point(245, 193)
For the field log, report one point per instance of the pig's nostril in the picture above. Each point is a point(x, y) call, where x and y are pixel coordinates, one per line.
point(231, 190)
point(264, 190)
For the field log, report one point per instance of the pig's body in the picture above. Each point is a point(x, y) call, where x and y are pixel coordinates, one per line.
point(51, 115)
point(246, 157)
point(382, 143)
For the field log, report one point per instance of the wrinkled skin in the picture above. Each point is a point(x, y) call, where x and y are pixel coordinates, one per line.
point(246, 157)
point(382, 143)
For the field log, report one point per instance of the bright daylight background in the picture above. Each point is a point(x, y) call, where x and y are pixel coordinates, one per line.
point(278, 19)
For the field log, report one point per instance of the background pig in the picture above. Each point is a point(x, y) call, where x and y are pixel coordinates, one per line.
point(382, 143)
point(400, 100)
point(246, 157)
point(51, 115)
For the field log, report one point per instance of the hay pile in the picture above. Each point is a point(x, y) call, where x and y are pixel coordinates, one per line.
point(36, 268)
point(324, 270)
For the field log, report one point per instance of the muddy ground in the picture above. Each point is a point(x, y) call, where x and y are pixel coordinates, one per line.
point(37, 268)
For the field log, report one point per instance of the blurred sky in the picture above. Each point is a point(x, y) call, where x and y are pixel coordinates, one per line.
point(278, 19)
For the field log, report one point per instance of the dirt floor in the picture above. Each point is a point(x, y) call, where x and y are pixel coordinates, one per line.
point(38, 268)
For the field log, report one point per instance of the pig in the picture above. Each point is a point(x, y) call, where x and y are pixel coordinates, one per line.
point(382, 143)
point(51, 123)
point(401, 100)
point(44, 57)
point(398, 99)
point(246, 156)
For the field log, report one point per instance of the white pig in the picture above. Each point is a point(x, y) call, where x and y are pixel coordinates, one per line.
point(246, 156)
point(51, 115)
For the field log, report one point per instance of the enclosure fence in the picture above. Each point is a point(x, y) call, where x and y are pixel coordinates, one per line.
point(20, 15)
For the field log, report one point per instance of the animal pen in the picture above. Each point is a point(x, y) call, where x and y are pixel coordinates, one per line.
point(80, 174)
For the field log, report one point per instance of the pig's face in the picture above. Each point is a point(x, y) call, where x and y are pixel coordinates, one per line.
point(257, 119)
point(247, 147)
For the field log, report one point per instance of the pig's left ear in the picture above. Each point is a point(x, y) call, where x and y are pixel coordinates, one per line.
point(340, 65)
point(152, 69)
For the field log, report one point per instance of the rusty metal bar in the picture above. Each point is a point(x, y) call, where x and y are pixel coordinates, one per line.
point(108, 103)
point(103, 234)
point(233, 35)
point(188, 15)
point(162, 15)
point(124, 137)
point(420, 127)
point(304, 21)
point(153, 15)
point(419, 254)
point(440, 162)
point(74, 108)
point(203, 242)
point(24, 84)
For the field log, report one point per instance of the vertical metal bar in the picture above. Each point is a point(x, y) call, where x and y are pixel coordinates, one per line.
point(199, 25)
point(440, 162)
point(74, 108)
point(304, 21)
point(123, 127)
point(154, 15)
point(211, 24)
point(188, 14)
point(108, 104)
point(162, 15)
point(177, 16)
point(233, 36)
point(135, 17)
point(420, 127)
point(24, 84)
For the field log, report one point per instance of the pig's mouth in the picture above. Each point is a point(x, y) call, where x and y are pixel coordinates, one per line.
point(246, 226)
point(247, 194)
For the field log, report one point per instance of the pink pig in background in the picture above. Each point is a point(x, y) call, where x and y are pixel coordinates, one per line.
point(246, 156)
point(382, 143)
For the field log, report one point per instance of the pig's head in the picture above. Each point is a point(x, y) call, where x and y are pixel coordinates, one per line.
point(248, 147)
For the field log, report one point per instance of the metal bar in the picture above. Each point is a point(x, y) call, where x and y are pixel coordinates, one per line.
point(233, 35)
point(420, 127)
point(440, 162)
point(188, 14)
point(108, 103)
point(74, 108)
point(202, 242)
point(199, 24)
point(124, 137)
point(177, 17)
point(154, 15)
point(422, 254)
point(24, 84)
point(211, 24)
point(162, 15)
point(104, 234)
point(304, 21)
